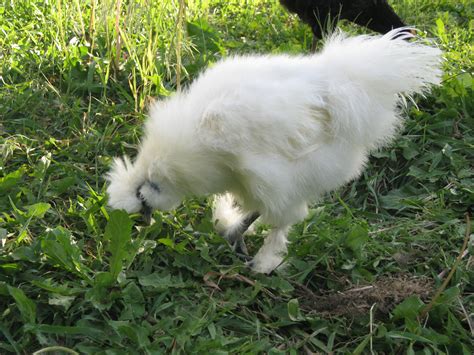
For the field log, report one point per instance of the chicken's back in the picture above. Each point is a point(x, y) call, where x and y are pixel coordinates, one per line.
point(265, 104)
point(292, 105)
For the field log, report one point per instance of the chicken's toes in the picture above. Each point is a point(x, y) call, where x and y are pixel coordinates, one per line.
point(240, 247)
point(265, 266)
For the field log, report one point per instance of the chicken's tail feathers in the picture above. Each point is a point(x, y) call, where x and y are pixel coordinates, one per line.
point(367, 75)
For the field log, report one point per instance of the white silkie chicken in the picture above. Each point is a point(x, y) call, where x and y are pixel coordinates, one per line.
point(271, 134)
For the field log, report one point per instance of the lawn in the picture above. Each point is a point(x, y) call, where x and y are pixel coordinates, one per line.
point(363, 269)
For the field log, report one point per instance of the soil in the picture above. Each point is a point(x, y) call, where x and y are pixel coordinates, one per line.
point(386, 293)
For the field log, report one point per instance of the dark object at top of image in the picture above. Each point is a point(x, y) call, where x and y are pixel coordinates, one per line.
point(323, 15)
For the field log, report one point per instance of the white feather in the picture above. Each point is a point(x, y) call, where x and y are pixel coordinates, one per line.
point(225, 213)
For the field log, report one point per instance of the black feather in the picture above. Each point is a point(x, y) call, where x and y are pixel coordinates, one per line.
point(323, 15)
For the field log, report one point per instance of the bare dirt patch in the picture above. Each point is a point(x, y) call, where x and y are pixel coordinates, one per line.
point(386, 292)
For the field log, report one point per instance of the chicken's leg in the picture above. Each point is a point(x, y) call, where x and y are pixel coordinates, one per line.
point(235, 236)
point(272, 252)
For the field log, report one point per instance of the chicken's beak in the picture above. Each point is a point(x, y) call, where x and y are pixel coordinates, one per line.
point(146, 211)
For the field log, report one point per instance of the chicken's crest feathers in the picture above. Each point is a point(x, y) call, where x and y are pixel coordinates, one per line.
point(123, 183)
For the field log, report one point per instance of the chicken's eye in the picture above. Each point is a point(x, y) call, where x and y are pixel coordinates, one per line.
point(155, 186)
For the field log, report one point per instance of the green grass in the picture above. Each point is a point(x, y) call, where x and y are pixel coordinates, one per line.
point(75, 80)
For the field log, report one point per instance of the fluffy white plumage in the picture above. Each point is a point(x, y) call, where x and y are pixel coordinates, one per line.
point(275, 132)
